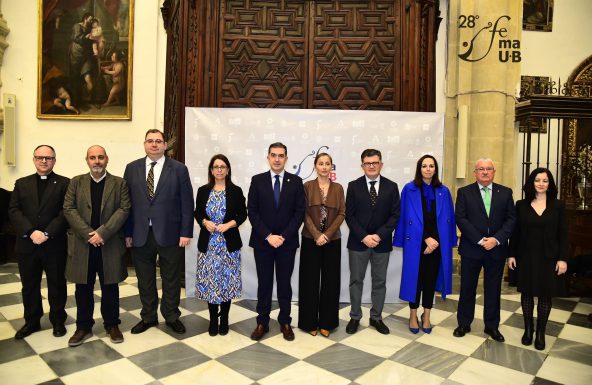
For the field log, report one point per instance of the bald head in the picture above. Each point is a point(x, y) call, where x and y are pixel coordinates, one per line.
point(97, 159)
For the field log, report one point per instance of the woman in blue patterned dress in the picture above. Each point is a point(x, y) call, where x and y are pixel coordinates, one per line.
point(219, 209)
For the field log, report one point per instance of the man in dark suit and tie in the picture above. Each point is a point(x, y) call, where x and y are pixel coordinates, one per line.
point(160, 222)
point(372, 208)
point(276, 208)
point(35, 211)
point(486, 216)
point(96, 206)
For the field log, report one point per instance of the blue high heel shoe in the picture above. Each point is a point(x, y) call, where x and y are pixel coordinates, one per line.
point(425, 330)
point(414, 330)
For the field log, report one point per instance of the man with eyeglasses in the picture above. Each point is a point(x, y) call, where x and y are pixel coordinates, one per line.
point(372, 211)
point(485, 216)
point(160, 223)
point(276, 206)
point(35, 210)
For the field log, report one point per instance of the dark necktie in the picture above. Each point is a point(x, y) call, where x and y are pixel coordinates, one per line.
point(276, 191)
point(373, 194)
point(150, 181)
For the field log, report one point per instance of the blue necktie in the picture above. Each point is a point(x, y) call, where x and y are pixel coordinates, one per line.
point(276, 191)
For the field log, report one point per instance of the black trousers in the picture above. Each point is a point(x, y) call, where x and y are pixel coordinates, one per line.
point(31, 267)
point(429, 265)
point(319, 285)
point(145, 262)
point(283, 262)
point(85, 301)
point(492, 286)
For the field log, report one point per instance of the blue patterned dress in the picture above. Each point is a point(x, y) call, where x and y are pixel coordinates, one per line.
point(218, 277)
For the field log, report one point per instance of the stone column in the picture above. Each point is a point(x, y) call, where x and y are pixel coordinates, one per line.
point(483, 74)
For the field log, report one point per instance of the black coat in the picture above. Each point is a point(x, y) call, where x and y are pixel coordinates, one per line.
point(26, 213)
point(235, 209)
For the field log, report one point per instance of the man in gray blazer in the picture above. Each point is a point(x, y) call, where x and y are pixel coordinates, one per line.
point(96, 207)
point(161, 222)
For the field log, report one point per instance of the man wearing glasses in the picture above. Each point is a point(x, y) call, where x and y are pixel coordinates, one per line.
point(486, 216)
point(372, 211)
point(35, 210)
point(160, 223)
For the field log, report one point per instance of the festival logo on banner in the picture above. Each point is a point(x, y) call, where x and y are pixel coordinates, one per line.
point(305, 169)
point(508, 49)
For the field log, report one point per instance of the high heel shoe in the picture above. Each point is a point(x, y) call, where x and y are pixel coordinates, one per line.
point(427, 330)
point(414, 330)
point(325, 333)
point(313, 332)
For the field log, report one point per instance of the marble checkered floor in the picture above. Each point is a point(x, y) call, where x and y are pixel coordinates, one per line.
point(159, 356)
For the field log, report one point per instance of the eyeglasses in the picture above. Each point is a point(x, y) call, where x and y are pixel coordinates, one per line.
point(370, 164)
point(220, 168)
point(483, 169)
point(44, 158)
point(151, 141)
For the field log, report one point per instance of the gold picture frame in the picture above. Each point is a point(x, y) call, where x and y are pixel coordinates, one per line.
point(537, 15)
point(85, 51)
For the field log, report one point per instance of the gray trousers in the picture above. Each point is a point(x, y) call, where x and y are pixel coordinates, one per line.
point(358, 262)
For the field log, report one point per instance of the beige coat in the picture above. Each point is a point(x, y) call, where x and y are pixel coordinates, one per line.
point(115, 207)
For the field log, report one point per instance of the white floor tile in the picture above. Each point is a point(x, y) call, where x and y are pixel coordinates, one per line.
point(304, 344)
point(582, 308)
point(10, 288)
point(565, 372)
point(120, 372)
point(37, 371)
point(303, 373)
point(369, 340)
point(576, 333)
point(442, 338)
point(218, 346)
point(473, 371)
point(390, 372)
point(138, 343)
point(6, 330)
point(208, 373)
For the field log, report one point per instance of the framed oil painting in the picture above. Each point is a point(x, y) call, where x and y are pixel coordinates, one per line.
point(85, 59)
point(537, 15)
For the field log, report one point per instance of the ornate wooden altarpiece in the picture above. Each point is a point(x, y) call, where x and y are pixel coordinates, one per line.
point(340, 54)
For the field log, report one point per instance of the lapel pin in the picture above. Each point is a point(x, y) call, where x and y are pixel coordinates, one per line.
point(287, 180)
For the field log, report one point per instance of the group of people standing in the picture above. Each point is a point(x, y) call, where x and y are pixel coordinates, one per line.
point(151, 211)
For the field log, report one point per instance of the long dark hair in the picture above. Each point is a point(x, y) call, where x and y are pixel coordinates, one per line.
point(418, 180)
point(530, 191)
point(211, 179)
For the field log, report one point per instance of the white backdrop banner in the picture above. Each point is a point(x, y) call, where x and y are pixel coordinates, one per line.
point(244, 134)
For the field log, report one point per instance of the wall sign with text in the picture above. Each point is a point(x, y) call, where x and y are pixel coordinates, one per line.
point(488, 37)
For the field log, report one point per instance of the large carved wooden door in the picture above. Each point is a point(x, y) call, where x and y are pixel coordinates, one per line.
point(342, 54)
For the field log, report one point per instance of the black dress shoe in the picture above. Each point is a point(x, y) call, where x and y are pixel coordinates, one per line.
point(142, 326)
point(380, 326)
point(27, 330)
point(352, 326)
point(177, 326)
point(59, 330)
point(495, 334)
point(460, 331)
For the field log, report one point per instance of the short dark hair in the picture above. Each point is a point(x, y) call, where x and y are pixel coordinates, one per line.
point(86, 15)
point(44, 145)
point(228, 178)
point(154, 131)
point(418, 180)
point(277, 145)
point(370, 152)
point(529, 190)
point(322, 154)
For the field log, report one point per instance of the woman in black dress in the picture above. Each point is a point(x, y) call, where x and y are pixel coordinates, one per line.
point(538, 251)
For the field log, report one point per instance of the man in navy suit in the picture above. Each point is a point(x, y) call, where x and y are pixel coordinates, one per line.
point(276, 208)
point(485, 215)
point(160, 222)
point(372, 208)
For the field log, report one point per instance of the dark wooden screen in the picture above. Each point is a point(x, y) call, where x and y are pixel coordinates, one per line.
point(342, 54)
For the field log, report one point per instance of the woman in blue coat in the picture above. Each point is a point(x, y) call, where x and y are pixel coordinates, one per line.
point(427, 234)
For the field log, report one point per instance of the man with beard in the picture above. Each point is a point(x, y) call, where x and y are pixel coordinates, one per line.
point(81, 63)
point(96, 206)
